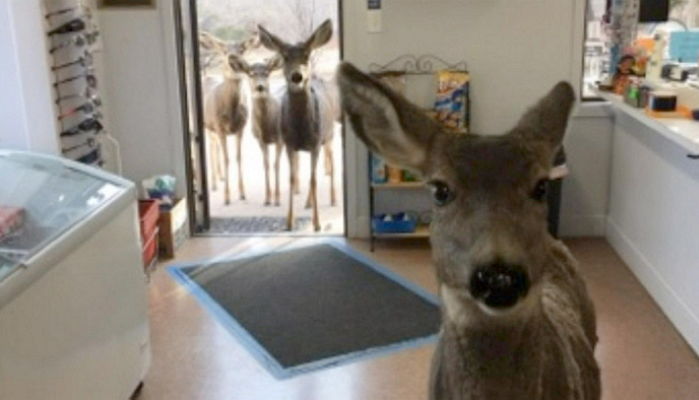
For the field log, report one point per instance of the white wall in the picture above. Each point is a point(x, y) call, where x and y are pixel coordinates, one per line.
point(588, 144)
point(141, 90)
point(515, 50)
point(27, 113)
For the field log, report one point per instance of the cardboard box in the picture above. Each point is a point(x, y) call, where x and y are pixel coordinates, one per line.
point(174, 228)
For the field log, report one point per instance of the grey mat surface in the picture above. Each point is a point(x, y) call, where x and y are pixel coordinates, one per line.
point(317, 303)
point(230, 225)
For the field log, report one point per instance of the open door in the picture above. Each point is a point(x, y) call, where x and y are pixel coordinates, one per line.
point(209, 32)
point(192, 113)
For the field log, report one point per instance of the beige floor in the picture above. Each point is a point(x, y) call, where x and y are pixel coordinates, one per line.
point(641, 355)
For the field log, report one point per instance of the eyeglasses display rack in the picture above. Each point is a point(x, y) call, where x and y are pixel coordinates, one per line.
point(74, 39)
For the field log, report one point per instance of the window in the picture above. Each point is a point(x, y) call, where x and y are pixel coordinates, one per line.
point(612, 21)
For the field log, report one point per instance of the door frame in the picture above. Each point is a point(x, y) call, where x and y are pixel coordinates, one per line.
point(195, 226)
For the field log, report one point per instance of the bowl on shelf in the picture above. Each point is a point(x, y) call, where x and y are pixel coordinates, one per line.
point(394, 223)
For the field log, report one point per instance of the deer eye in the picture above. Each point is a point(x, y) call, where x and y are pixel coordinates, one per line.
point(540, 190)
point(441, 193)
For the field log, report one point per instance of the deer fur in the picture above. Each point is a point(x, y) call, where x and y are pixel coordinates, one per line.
point(265, 116)
point(517, 322)
point(212, 54)
point(225, 114)
point(306, 112)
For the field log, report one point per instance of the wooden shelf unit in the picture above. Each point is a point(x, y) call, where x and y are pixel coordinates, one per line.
point(422, 231)
point(398, 185)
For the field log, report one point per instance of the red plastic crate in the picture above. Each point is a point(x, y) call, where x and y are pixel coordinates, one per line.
point(148, 215)
point(150, 249)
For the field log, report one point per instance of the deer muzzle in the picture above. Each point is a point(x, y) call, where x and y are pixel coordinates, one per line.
point(499, 285)
point(296, 77)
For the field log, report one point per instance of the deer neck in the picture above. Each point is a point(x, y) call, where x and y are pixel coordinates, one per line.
point(300, 100)
point(493, 347)
point(302, 106)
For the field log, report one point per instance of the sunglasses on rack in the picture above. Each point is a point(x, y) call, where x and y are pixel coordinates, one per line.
point(85, 39)
point(89, 77)
point(89, 125)
point(74, 25)
point(85, 60)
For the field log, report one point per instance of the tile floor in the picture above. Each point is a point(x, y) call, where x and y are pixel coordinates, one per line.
point(640, 353)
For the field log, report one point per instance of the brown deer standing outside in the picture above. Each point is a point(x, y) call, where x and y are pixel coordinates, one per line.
point(265, 116)
point(517, 322)
point(225, 114)
point(213, 53)
point(307, 118)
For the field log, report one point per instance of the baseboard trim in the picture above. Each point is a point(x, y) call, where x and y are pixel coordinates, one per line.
point(672, 305)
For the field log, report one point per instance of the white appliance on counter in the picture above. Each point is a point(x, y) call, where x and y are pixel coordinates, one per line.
point(73, 305)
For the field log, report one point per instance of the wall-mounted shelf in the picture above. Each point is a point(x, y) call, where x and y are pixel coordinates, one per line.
point(422, 232)
point(397, 185)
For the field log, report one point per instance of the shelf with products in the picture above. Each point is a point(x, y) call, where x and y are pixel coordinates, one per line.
point(421, 232)
point(396, 193)
point(398, 185)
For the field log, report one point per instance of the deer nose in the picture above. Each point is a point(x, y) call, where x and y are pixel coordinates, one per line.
point(260, 88)
point(499, 285)
point(296, 77)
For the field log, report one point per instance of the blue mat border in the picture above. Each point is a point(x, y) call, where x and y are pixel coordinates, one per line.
point(260, 353)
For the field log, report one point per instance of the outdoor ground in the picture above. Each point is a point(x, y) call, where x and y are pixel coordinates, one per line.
point(331, 218)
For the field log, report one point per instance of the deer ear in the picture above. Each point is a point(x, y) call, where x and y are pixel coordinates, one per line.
point(270, 41)
point(386, 122)
point(238, 63)
point(548, 119)
point(321, 35)
point(275, 63)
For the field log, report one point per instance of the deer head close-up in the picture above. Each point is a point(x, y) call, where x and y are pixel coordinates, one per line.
point(517, 320)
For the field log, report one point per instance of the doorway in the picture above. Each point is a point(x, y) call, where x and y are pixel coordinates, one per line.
point(212, 32)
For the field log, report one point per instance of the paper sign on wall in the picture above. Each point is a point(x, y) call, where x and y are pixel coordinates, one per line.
point(373, 16)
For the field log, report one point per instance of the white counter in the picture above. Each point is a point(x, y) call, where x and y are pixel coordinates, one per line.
point(653, 216)
point(682, 131)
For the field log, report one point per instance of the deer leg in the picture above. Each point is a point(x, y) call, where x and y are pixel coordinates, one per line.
point(278, 157)
point(226, 163)
point(220, 165)
point(292, 155)
point(314, 192)
point(239, 157)
point(295, 166)
point(328, 157)
point(309, 201)
point(330, 170)
point(268, 190)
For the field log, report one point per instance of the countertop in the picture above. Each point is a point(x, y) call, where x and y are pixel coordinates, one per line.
point(684, 132)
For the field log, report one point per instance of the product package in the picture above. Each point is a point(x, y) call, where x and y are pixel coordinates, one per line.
point(378, 169)
point(452, 97)
point(160, 187)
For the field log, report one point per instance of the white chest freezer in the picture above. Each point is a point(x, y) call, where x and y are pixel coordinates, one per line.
point(73, 306)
